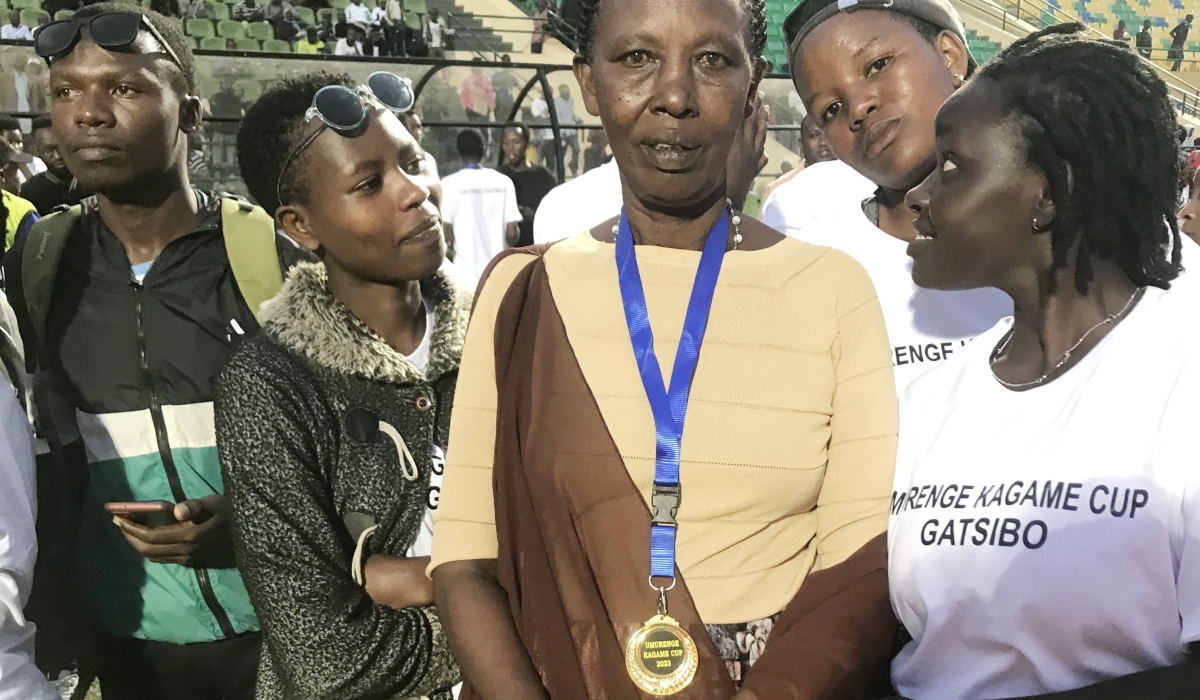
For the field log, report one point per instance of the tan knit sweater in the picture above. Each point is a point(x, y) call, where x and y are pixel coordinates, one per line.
point(790, 437)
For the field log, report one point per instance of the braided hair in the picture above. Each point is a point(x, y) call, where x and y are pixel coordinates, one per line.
point(756, 27)
point(1098, 123)
point(272, 127)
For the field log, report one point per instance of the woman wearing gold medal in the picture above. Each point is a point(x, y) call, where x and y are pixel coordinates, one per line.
point(673, 440)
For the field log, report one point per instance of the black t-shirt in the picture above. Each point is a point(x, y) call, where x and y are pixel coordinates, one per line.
point(1179, 35)
point(46, 192)
point(532, 184)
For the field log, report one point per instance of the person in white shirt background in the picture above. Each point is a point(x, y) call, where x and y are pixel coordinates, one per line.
point(436, 31)
point(358, 13)
point(480, 215)
point(15, 29)
point(881, 129)
point(11, 133)
point(351, 44)
point(1045, 532)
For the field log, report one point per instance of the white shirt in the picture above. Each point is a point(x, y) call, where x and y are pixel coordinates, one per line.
point(20, 31)
point(579, 205)
point(359, 14)
point(19, 678)
point(423, 545)
point(345, 48)
point(1049, 539)
point(377, 15)
point(436, 30)
point(479, 203)
point(822, 204)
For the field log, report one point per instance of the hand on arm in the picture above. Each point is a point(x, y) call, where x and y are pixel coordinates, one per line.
point(475, 613)
point(398, 582)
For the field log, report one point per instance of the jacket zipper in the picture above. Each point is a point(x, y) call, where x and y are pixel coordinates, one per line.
point(168, 460)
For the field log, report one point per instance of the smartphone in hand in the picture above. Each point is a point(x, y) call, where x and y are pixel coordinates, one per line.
point(147, 513)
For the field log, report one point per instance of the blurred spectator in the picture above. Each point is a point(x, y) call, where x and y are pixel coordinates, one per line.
point(376, 43)
point(26, 89)
point(351, 44)
point(56, 187)
point(813, 145)
point(543, 138)
point(504, 83)
point(15, 29)
point(595, 156)
point(166, 8)
point(378, 15)
point(10, 133)
point(532, 181)
point(479, 209)
point(248, 11)
point(412, 122)
point(193, 9)
point(436, 33)
point(282, 17)
point(311, 43)
point(19, 215)
point(226, 103)
point(1179, 37)
point(1121, 33)
point(327, 31)
point(564, 107)
point(52, 7)
point(540, 15)
point(358, 13)
point(1145, 43)
point(395, 27)
point(477, 97)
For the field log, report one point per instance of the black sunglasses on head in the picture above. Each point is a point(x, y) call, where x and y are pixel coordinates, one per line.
point(110, 30)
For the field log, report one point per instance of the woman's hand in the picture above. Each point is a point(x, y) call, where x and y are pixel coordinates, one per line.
point(398, 582)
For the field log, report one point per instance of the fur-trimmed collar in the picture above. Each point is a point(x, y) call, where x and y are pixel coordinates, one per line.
point(305, 318)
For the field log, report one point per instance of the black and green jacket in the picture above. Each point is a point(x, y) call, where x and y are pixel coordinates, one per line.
point(303, 415)
point(129, 368)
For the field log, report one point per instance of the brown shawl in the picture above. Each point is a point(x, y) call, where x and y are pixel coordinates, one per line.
point(574, 541)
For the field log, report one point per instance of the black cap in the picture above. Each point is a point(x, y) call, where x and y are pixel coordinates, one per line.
point(810, 13)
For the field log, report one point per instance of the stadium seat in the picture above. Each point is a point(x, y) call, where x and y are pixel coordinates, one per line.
point(200, 28)
point(260, 31)
point(306, 15)
point(329, 12)
point(251, 90)
point(339, 4)
point(64, 14)
point(276, 46)
point(34, 18)
point(218, 10)
point(212, 43)
point(231, 29)
point(25, 4)
point(248, 45)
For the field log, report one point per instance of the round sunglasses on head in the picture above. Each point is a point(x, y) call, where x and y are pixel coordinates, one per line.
point(344, 110)
point(110, 30)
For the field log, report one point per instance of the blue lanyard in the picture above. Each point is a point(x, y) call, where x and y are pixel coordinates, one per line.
point(669, 407)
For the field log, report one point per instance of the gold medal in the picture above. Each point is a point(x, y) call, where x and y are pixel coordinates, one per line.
point(661, 657)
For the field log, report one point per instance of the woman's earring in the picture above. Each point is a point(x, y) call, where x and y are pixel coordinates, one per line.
point(1039, 227)
point(959, 79)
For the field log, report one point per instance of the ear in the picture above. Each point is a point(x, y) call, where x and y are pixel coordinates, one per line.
point(757, 73)
point(294, 221)
point(583, 74)
point(954, 53)
point(191, 114)
point(1045, 211)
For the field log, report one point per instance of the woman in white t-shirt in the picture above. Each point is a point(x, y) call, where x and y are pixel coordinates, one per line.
point(1045, 533)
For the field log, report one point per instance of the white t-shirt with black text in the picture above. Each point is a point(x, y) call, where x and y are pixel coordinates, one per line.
point(423, 545)
point(1049, 539)
point(822, 204)
point(478, 202)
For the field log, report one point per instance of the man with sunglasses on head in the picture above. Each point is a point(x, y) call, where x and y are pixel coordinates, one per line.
point(135, 301)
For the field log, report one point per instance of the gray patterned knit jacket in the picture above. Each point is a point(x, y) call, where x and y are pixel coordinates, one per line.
point(302, 415)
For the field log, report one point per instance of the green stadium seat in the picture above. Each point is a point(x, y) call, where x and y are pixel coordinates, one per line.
point(329, 12)
point(251, 90)
point(339, 4)
point(276, 46)
point(218, 10)
point(25, 4)
point(231, 29)
point(370, 3)
point(212, 43)
point(34, 18)
point(306, 15)
point(200, 28)
point(64, 14)
point(260, 31)
point(248, 45)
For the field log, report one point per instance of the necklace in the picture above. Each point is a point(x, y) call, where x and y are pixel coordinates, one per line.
point(733, 219)
point(1003, 346)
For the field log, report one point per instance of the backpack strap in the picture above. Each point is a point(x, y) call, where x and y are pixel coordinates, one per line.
point(250, 244)
point(39, 265)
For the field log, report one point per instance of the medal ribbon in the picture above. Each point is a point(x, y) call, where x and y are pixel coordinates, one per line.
point(668, 406)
